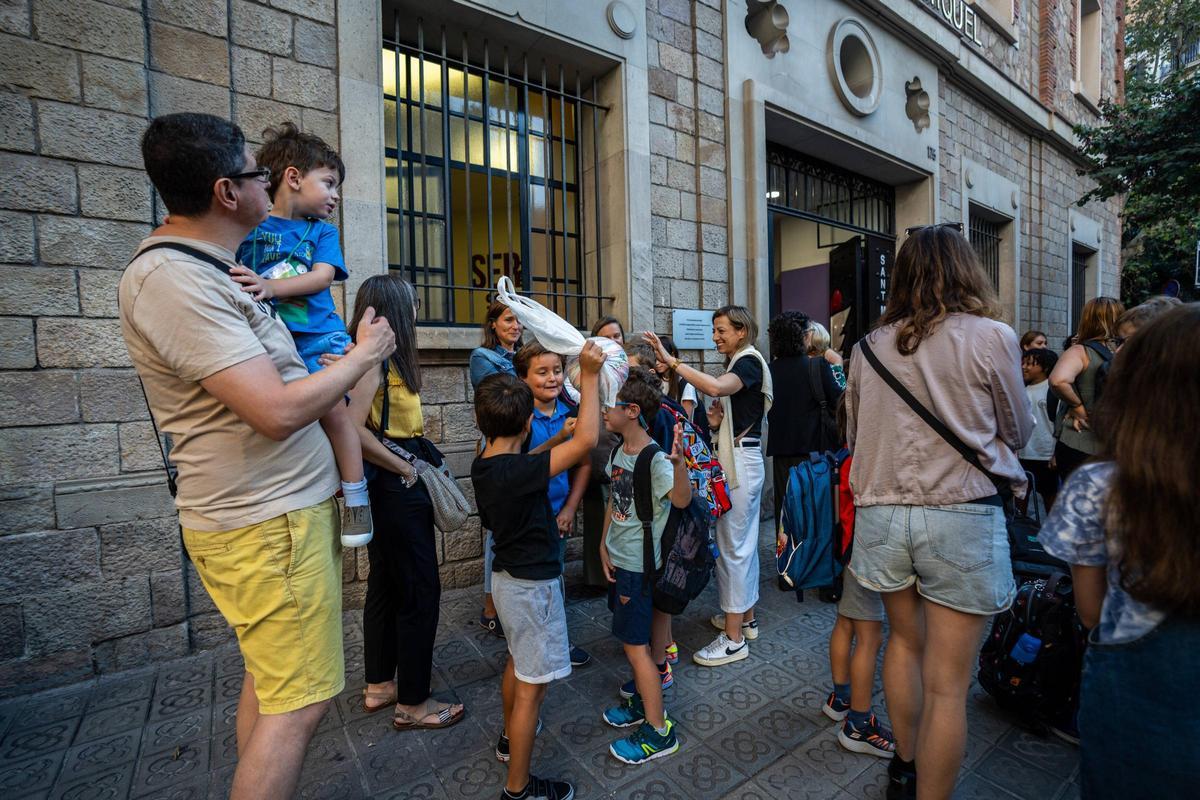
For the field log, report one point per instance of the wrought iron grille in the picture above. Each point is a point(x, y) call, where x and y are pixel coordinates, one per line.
point(985, 239)
point(1079, 269)
point(823, 192)
point(485, 176)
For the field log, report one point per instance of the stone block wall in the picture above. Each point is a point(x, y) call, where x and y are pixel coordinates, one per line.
point(92, 577)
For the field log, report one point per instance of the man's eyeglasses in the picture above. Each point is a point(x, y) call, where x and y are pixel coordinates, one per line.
point(958, 226)
point(262, 173)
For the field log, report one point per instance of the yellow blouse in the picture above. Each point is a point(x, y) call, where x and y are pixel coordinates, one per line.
point(404, 408)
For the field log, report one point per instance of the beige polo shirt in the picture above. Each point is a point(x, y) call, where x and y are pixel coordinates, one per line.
point(184, 320)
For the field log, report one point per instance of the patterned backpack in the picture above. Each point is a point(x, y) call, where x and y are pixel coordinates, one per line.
point(708, 479)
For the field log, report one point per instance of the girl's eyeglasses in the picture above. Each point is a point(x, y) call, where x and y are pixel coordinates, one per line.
point(958, 226)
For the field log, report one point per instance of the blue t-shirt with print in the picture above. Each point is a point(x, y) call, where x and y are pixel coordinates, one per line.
point(544, 428)
point(285, 248)
point(1075, 532)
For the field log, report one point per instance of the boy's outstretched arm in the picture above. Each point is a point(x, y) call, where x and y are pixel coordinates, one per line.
point(587, 430)
point(318, 279)
point(681, 492)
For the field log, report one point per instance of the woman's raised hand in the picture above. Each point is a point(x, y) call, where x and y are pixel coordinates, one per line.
point(652, 339)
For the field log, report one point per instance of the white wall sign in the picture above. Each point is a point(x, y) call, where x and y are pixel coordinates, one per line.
point(692, 329)
point(958, 14)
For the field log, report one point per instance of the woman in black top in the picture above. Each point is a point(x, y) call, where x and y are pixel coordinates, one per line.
point(796, 425)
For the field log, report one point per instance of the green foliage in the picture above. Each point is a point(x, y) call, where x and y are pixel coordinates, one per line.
point(1148, 149)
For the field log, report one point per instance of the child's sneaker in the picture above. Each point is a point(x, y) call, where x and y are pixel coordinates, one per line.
point(491, 625)
point(356, 525)
point(749, 629)
point(668, 680)
point(835, 708)
point(628, 713)
point(645, 744)
point(542, 789)
point(502, 753)
point(870, 739)
point(580, 657)
point(902, 780)
point(722, 651)
point(672, 653)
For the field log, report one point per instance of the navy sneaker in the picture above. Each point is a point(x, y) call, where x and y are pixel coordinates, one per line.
point(870, 739)
point(580, 657)
point(491, 625)
point(645, 744)
point(834, 708)
point(629, 689)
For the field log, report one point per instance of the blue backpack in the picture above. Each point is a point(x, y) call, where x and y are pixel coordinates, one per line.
point(809, 558)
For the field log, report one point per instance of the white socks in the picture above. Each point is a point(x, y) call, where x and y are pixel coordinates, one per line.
point(355, 493)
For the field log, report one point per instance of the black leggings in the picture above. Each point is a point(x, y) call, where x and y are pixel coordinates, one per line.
point(1066, 459)
point(400, 616)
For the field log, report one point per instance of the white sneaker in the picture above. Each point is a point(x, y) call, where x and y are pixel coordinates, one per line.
point(749, 629)
point(722, 651)
point(356, 525)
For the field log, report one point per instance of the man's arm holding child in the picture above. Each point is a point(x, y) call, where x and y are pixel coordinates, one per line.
point(587, 431)
point(318, 279)
point(681, 491)
point(254, 390)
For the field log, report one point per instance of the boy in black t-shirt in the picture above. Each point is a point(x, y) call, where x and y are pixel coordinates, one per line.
point(511, 490)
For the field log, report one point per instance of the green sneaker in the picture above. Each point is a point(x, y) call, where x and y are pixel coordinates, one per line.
point(628, 713)
point(645, 744)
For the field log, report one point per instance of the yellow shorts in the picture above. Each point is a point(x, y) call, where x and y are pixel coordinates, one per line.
point(279, 584)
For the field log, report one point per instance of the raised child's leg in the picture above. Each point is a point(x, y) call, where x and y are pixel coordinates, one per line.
point(522, 726)
point(869, 638)
point(347, 449)
point(648, 683)
point(839, 650)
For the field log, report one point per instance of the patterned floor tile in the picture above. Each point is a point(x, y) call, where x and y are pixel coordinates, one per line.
point(175, 701)
point(972, 786)
point(110, 784)
point(343, 783)
point(824, 756)
point(156, 771)
point(171, 733)
point(1018, 775)
point(1047, 752)
point(99, 755)
point(477, 776)
point(747, 747)
point(107, 721)
point(29, 742)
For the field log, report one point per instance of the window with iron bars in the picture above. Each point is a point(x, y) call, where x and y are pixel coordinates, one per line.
point(819, 191)
point(485, 176)
point(985, 240)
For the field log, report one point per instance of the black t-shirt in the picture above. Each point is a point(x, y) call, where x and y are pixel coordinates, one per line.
point(748, 403)
point(511, 491)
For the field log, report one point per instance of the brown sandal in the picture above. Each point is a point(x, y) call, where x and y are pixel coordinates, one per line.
point(402, 721)
point(388, 698)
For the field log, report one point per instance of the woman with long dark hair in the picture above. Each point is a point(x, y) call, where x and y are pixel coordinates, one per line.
point(1126, 523)
point(501, 338)
point(930, 530)
point(400, 616)
point(1075, 381)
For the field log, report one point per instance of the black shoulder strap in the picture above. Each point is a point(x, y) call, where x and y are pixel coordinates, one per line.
point(183, 248)
point(1100, 350)
point(643, 503)
point(933, 422)
point(816, 385)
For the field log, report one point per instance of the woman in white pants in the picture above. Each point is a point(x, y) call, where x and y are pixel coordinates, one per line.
point(747, 384)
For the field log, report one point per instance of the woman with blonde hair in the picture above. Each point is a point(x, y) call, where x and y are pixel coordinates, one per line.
point(1075, 379)
point(747, 384)
point(819, 347)
point(936, 411)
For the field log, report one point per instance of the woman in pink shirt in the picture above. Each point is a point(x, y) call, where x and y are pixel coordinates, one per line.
point(930, 527)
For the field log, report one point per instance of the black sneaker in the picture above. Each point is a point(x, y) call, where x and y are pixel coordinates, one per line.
point(902, 781)
point(502, 753)
point(580, 657)
point(542, 789)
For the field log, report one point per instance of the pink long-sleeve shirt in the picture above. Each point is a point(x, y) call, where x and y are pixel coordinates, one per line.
point(968, 373)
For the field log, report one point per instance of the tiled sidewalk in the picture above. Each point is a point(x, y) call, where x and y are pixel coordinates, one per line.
point(749, 730)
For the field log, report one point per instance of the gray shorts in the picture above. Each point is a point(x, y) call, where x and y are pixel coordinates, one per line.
point(535, 626)
point(859, 602)
point(957, 555)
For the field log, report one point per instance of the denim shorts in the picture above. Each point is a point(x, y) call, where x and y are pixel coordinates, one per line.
point(859, 602)
point(631, 619)
point(311, 346)
point(957, 555)
point(535, 626)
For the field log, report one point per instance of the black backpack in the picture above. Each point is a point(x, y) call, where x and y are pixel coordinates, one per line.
point(827, 427)
point(1028, 555)
point(688, 559)
point(1032, 660)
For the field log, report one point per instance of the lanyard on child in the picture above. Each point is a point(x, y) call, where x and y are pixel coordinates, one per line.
point(303, 237)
